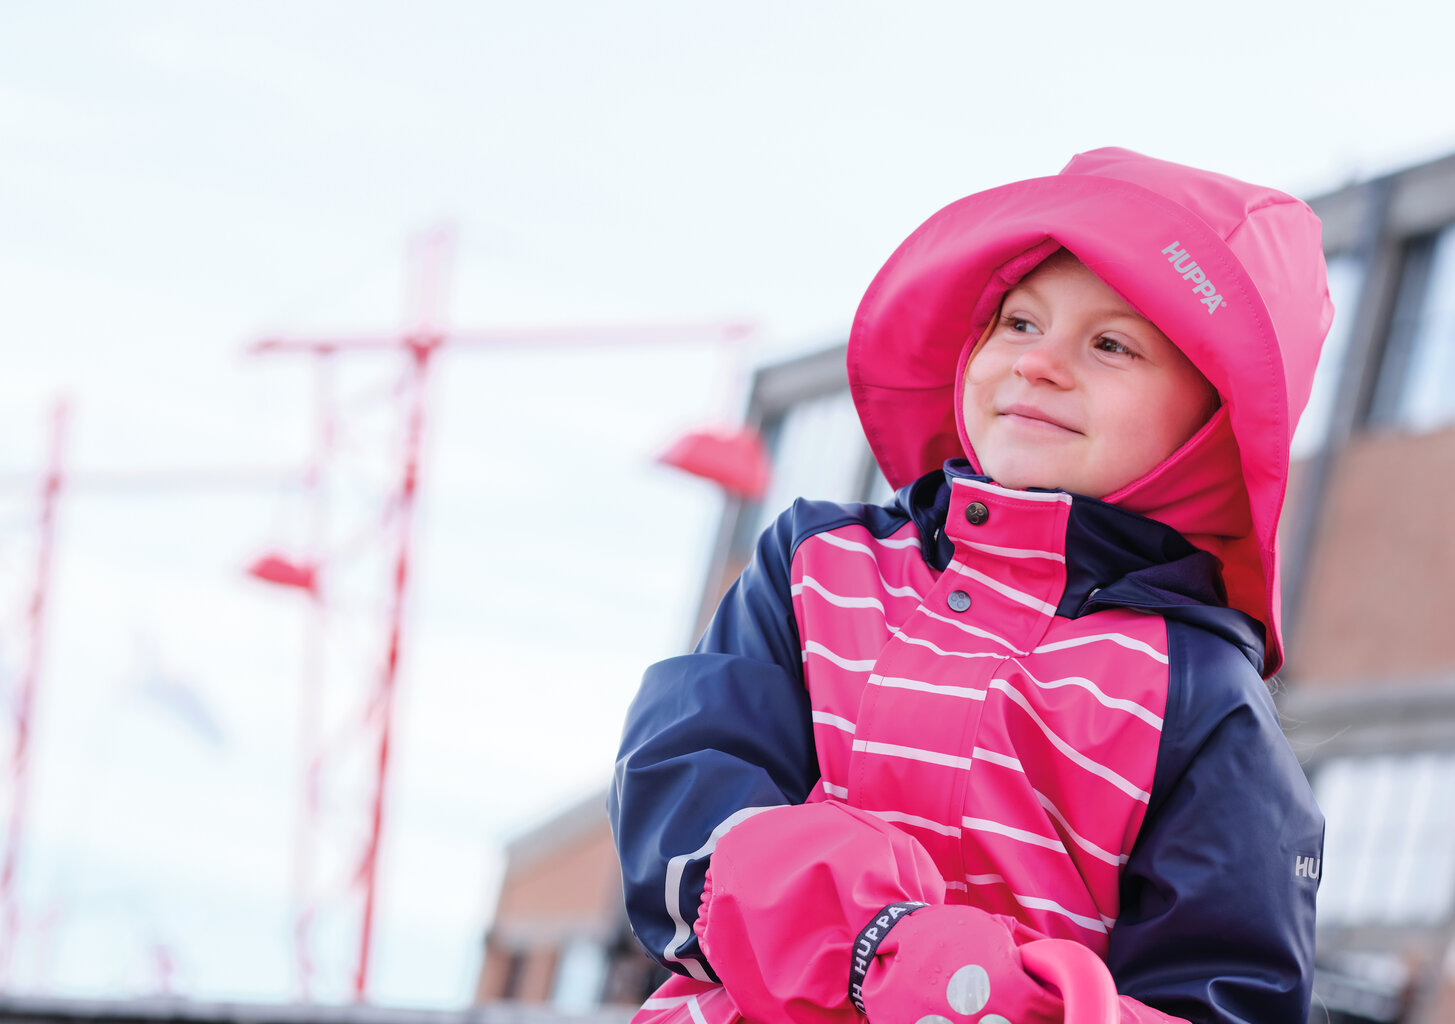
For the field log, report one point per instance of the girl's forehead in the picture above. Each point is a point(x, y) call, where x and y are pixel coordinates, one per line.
point(1065, 278)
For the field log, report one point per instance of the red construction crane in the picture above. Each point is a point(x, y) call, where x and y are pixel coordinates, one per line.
point(23, 707)
point(424, 338)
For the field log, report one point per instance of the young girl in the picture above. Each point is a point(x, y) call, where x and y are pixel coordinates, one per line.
point(1025, 698)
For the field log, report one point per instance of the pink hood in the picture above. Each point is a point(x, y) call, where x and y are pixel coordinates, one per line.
point(1233, 273)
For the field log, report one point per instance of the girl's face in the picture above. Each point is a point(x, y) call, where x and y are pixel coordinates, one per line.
point(1072, 389)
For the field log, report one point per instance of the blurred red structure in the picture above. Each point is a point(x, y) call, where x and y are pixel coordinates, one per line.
point(735, 460)
point(285, 573)
point(21, 711)
point(424, 338)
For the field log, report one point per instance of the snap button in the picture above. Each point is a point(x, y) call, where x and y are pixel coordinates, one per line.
point(976, 513)
point(958, 600)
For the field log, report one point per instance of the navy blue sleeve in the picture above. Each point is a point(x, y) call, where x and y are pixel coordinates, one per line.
point(711, 737)
point(1217, 914)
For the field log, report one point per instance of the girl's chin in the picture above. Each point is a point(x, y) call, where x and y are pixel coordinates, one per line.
point(1020, 478)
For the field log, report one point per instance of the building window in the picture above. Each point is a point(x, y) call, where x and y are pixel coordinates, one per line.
point(879, 492)
point(818, 451)
point(514, 980)
point(580, 976)
point(1389, 846)
point(1416, 386)
point(1346, 278)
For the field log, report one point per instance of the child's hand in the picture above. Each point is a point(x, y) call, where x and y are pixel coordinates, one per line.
point(955, 965)
point(815, 913)
point(788, 891)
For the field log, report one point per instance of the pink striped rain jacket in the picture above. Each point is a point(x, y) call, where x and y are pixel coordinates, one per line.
point(1058, 701)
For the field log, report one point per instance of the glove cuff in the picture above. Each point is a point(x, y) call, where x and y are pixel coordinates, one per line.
point(867, 944)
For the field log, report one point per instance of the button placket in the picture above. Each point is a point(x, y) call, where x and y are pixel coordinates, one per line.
point(999, 534)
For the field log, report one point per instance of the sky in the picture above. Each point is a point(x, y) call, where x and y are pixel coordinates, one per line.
point(178, 180)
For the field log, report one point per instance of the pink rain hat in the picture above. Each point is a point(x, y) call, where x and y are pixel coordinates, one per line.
point(1233, 273)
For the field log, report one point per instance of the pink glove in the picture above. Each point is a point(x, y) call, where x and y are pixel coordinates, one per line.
point(788, 891)
point(947, 965)
point(816, 913)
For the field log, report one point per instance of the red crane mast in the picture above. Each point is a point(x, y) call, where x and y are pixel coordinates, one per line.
point(22, 710)
point(419, 343)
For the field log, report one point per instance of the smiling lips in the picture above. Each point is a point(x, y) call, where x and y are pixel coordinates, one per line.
point(1030, 415)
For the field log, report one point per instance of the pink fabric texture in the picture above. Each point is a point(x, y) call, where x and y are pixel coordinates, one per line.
point(1083, 981)
point(837, 867)
point(1203, 256)
point(1025, 768)
point(956, 963)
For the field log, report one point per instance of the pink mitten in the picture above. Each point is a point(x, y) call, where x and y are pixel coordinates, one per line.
point(788, 890)
point(949, 965)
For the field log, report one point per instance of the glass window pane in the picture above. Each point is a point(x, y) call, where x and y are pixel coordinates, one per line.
point(879, 490)
point(580, 976)
point(1389, 847)
point(1334, 788)
point(1417, 380)
point(1346, 277)
point(818, 450)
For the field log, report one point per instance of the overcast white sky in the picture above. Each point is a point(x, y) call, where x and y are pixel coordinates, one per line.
point(177, 179)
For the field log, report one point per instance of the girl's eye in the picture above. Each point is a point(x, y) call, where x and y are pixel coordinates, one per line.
point(1018, 323)
point(1113, 346)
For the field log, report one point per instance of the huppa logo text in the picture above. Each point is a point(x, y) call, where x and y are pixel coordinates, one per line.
point(1185, 265)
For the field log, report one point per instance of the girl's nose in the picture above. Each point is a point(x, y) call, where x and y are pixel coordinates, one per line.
point(1044, 361)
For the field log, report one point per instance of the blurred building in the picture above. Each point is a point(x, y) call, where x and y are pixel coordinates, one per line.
point(560, 936)
point(1368, 534)
point(1370, 599)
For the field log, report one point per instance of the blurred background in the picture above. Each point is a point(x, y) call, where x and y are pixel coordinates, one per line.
point(339, 344)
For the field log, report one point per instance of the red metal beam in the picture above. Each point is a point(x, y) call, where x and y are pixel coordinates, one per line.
point(425, 336)
point(584, 336)
point(24, 707)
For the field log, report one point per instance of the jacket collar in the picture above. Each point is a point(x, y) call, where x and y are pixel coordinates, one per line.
point(1115, 558)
